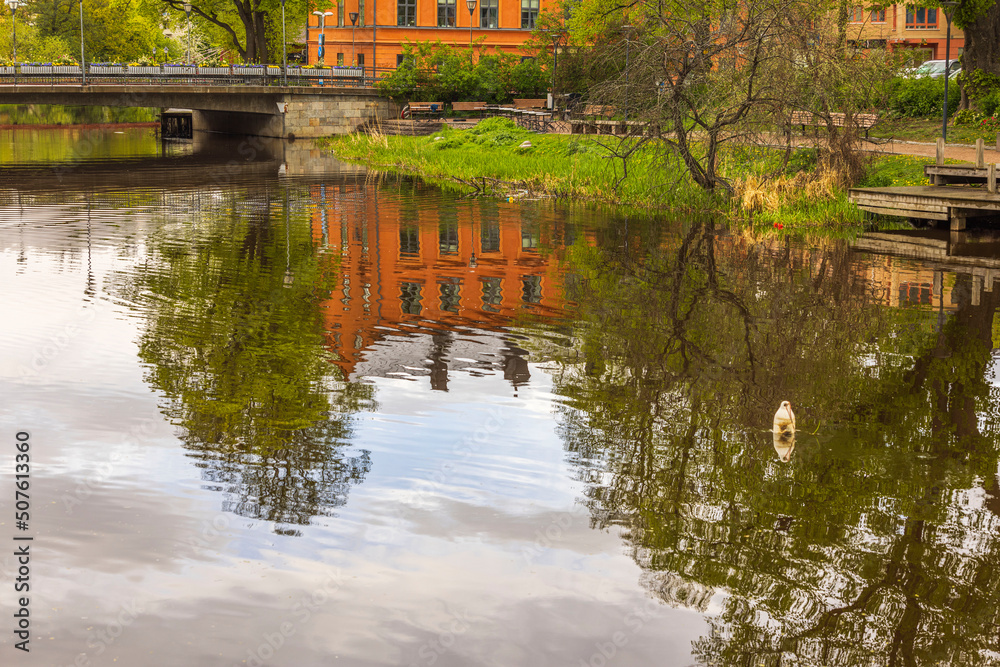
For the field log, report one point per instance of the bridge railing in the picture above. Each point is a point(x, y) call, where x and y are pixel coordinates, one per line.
point(231, 75)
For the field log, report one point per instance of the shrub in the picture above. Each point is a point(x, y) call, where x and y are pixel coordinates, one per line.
point(438, 72)
point(921, 97)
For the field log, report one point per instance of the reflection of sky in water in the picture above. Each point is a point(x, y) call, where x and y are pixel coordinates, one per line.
point(442, 529)
point(515, 464)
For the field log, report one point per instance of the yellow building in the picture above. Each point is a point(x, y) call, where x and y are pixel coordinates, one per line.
point(921, 30)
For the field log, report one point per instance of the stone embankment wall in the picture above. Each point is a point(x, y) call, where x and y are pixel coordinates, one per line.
point(341, 114)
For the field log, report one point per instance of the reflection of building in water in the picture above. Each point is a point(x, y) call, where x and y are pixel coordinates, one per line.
point(919, 268)
point(429, 280)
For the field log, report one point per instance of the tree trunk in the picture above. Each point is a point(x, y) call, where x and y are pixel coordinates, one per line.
point(260, 37)
point(982, 50)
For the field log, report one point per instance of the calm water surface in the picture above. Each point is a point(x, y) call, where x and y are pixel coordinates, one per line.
point(283, 412)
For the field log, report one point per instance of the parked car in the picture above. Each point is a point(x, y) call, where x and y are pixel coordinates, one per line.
point(935, 69)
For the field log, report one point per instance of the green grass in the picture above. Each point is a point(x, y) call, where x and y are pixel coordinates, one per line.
point(896, 170)
point(555, 165)
point(489, 157)
point(928, 130)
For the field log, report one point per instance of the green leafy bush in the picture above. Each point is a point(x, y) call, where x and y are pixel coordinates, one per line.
point(921, 97)
point(969, 117)
point(436, 72)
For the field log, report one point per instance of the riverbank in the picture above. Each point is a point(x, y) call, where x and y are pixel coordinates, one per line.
point(75, 126)
point(498, 158)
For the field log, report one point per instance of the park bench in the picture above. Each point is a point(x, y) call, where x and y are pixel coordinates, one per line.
point(863, 121)
point(530, 104)
point(467, 107)
point(415, 109)
point(593, 119)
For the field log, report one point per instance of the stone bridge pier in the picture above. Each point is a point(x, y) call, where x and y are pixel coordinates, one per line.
point(297, 116)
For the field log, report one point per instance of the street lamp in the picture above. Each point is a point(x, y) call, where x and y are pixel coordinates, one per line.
point(83, 59)
point(947, 8)
point(471, 4)
point(626, 29)
point(354, 23)
point(322, 34)
point(555, 62)
point(284, 48)
point(187, 10)
point(14, 4)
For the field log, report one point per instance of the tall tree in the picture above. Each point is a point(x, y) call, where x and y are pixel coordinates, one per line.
point(980, 20)
point(712, 73)
point(251, 28)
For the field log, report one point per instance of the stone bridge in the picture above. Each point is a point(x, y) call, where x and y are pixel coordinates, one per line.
point(269, 111)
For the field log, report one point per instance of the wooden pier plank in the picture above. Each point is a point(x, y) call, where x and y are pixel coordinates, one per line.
point(903, 213)
point(930, 202)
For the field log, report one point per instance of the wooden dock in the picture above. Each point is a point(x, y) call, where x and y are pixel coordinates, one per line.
point(973, 253)
point(948, 203)
point(956, 193)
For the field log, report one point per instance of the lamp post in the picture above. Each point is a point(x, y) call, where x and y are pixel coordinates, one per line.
point(322, 34)
point(471, 4)
point(354, 23)
point(14, 4)
point(555, 62)
point(83, 59)
point(284, 48)
point(947, 8)
point(626, 29)
point(187, 10)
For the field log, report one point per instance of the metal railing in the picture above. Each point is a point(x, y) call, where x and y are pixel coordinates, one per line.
point(231, 75)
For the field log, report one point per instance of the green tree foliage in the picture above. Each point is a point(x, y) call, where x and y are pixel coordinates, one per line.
point(113, 30)
point(33, 44)
point(251, 29)
point(865, 548)
point(235, 341)
point(705, 74)
point(432, 71)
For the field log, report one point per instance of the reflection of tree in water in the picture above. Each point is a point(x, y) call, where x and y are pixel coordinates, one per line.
point(873, 545)
point(236, 344)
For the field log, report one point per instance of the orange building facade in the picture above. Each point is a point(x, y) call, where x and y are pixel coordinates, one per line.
point(452, 269)
point(382, 27)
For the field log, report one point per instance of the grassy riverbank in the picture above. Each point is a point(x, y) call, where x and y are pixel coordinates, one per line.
point(488, 159)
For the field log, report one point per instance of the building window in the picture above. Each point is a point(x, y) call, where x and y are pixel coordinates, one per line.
point(361, 60)
point(409, 296)
point(856, 15)
point(530, 236)
point(399, 59)
point(361, 13)
point(446, 13)
point(489, 12)
point(448, 237)
point(919, 293)
point(409, 241)
point(531, 289)
point(492, 294)
point(878, 16)
point(451, 294)
point(920, 18)
point(529, 12)
point(406, 13)
point(489, 233)
point(340, 60)
point(340, 13)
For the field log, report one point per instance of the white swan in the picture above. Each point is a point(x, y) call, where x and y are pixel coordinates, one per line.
point(784, 420)
point(784, 431)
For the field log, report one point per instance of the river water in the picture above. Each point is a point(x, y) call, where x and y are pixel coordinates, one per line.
point(284, 412)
